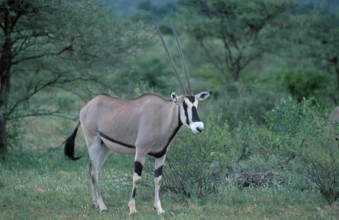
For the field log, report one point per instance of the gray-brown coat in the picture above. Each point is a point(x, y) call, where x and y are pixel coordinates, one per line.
point(143, 126)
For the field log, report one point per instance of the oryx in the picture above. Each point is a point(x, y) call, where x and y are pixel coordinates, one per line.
point(143, 126)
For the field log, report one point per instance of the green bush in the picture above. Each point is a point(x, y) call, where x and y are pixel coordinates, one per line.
point(296, 146)
point(302, 129)
point(305, 83)
point(196, 164)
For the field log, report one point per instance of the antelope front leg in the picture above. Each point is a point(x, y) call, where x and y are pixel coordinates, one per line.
point(138, 166)
point(158, 165)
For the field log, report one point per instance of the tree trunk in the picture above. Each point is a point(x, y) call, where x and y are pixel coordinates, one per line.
point(236, 73)
point(4, 91)
point(3, 137)
point(5, 71)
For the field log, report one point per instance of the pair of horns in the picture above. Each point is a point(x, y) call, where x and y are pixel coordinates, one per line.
point(182, 58)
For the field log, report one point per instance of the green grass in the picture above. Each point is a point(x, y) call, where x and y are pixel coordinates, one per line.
point(45, 185)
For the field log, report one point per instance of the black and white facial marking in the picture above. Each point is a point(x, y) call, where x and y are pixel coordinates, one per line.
point(189, 110)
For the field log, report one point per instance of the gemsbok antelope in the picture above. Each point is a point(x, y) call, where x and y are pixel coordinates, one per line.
point(143, 126)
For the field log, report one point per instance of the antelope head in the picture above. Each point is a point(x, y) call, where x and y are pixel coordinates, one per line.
point(188, 102)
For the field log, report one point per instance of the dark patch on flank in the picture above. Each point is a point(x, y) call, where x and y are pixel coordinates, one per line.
point(138, 168)
point(159, 154)
point(158, 172)
point(115, 141)
point(164, 150)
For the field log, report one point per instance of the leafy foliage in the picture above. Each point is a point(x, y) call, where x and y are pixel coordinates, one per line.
point(52, 47)
point(242, 103)
point(303, 131)
point(304, 83)
point(232, 34)
point(196, 165)
point(296, 144)
point(65, 52)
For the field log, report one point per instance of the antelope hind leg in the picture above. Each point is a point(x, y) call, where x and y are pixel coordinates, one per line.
point(158, 165)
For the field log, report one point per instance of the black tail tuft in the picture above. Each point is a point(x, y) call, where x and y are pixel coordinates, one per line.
point(69, 145)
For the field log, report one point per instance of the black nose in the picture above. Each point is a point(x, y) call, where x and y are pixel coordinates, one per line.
point(199, 129)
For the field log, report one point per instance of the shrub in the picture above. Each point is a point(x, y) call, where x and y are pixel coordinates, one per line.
point(304, 83)
point(296, 145)
point(302, 129)
point(196, 164)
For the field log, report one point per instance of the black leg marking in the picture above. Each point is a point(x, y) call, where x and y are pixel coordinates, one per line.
point(158, 172)
point(134, 193)
point(138, 168)
point(91, 172)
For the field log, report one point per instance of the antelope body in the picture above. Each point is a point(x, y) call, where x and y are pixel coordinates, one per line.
point(143, 126)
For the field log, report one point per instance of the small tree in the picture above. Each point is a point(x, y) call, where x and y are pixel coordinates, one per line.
point(233, 33)
point(48, 45)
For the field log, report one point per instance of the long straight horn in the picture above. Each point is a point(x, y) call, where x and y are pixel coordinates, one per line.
point(175, 69)
point(182, 58)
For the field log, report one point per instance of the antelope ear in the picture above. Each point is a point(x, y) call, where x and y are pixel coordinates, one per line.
point(174, 97)
point(203, 95)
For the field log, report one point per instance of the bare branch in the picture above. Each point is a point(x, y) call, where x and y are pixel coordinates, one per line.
point(214, 58)
point(249, 60)
point(42, 85)
point(66, 48)
point(228, 53)
point(56, 113)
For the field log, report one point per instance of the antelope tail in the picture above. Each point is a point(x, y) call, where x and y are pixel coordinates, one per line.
point(69, 144)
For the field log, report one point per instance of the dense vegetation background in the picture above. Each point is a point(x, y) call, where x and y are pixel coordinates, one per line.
point(272, 66)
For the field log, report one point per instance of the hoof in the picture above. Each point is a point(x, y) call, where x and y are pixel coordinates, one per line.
point(132, 211)
point(160, 211)
point(103, 210)
point(132, 208)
